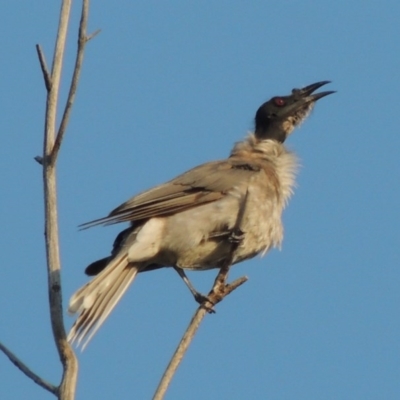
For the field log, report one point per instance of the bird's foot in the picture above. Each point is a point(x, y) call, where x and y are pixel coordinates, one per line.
point(205, 302)
point(236, 236)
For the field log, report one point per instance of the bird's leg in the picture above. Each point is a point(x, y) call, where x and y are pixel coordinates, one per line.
point(221, 288)
point(237, 235)
point(235, 239)
point(200, 298)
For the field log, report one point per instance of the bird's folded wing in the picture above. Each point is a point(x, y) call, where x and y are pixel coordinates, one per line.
point(203, 184)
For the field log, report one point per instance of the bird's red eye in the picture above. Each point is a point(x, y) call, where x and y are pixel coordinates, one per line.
point(279, 101)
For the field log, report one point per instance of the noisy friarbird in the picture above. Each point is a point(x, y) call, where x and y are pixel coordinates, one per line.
point(190, 222)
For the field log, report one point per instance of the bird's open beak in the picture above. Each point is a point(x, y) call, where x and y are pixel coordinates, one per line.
point(303, 97)
point(305, 93)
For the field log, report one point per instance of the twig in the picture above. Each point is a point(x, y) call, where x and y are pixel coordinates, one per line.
point(39, 159)
point(219, 291)
point(27, 371)
point(92, 35)
point(43, 66)
point(82, 40)
point(179, 353)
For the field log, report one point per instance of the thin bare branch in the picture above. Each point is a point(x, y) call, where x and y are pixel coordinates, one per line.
point(179, 353)
point(219, 291)
point(66, 390)
point(27, 371)
point(82, 40)
point(43, 66)
point(67, 387)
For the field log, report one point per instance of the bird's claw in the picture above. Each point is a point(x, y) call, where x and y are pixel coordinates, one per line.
point(204, 301)
point(236, 236)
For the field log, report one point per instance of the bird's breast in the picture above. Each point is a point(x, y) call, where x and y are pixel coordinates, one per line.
point(261, 221)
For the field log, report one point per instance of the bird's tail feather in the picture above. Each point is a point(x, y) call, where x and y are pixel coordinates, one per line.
point(95, 300)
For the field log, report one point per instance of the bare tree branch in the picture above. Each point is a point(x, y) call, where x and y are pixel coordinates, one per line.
point(219, 291)
point(27, 371)
point(66, 390)
point(82, 40)
point(179, 353)
point(43, 65)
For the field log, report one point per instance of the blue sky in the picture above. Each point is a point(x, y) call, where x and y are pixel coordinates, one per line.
point(167, 86)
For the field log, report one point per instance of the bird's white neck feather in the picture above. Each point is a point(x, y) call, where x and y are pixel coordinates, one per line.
point(285, 162)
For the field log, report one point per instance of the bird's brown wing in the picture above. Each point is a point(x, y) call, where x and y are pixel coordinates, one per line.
point(203, 184)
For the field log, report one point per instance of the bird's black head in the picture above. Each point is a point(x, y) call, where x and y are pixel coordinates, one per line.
point(277, 118)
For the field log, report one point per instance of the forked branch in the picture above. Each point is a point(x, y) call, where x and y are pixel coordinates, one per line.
point(83, 38)
point(51, 147)
point(218, 292)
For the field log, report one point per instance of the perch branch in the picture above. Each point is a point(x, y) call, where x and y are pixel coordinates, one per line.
point(219, 291)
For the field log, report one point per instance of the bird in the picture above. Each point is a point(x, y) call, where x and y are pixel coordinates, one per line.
point(191, 221)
